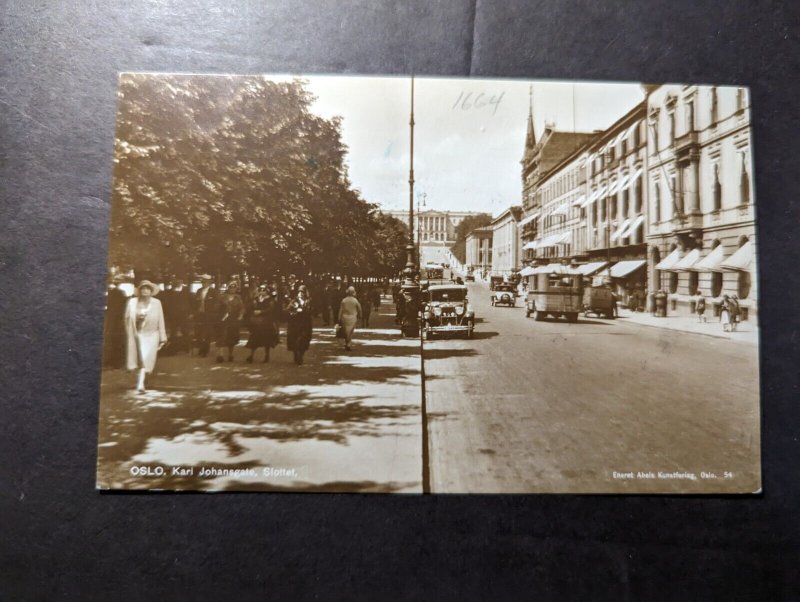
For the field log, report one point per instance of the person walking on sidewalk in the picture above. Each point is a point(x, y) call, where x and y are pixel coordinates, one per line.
point(146, 332)
point(349, 315)
point(700, 306)
point(263, 323)
point(205, 300)
point(230, 311)
point(735, 312)
point(725, 313)
point(366, 306)
point(299, 324)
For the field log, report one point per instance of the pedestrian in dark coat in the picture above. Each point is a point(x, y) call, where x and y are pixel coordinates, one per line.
point(230, 311)
point(299, 324)
point(204, 306)
point(263, 323)
point(114, 343)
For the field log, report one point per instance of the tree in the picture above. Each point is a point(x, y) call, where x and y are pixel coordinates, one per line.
point(465, 226)
point(226, 174)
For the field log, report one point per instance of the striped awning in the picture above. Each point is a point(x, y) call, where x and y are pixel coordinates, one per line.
point(688, 261)
point(668, 263)
point(622, 269)
point(741, 260)
point(712, 261)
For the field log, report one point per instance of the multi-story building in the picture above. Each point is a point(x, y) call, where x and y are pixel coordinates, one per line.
point(506, 242)
point(701, 223)
point(435, 232)
point(615, 207)
point(539, 159)
point(479, 251)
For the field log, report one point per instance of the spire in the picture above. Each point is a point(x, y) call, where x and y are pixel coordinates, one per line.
point(530, 139)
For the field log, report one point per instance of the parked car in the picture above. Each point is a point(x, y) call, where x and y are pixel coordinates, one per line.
point(598, 300)
point(504, 294)
point(446, 310)
point(470, 277)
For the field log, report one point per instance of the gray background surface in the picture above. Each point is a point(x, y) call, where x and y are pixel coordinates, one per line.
point(61, 539)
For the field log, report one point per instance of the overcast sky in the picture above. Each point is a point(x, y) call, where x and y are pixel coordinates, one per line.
point(467, 149)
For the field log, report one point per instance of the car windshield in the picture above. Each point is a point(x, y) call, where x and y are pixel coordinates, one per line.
point(448, 294)
point(505, 287)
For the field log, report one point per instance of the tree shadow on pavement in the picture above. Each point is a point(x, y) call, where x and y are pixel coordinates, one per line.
point(217, 408)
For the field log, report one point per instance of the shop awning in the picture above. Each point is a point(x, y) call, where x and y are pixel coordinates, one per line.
point(579, 201)
point(556, 268)
point(711, 262)
point(623, 269)
point(534, 244)
point(587, 269)
point(668, 263)
point(562, 238)
point(688, 261)
point(527, 271)
point(740, 260)
point(632, 179)
point(528, 219)
point(561, 209)
point(637, 223)
point(622, 227)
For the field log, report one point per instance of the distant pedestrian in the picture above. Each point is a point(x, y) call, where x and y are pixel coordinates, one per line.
point(349, 315)
point(205, 301)
point(230, 310)
point(366, 307)
point(299, 324)
point(147, 333)
point(114, 331)
point(651, 302)
point(700, 306)
point(736, 312)
point(725, 313)
point(263, 322)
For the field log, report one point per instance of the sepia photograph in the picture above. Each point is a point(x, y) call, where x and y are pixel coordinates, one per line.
point(406, 284)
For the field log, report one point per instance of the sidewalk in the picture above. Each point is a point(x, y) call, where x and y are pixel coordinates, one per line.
point(344, 421)
point(745, 333)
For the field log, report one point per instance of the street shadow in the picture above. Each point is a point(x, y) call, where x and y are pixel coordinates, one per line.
point(440, 353)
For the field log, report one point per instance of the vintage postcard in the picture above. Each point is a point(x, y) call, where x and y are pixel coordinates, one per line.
point(429, 285)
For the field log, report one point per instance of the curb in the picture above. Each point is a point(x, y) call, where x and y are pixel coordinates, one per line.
point(702, 334)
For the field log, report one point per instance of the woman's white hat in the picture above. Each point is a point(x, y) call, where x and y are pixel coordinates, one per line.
point(153, 287)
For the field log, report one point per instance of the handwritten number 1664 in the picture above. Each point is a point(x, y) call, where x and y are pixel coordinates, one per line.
point(467, 101)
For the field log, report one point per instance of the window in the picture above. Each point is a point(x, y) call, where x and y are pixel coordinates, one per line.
point(638, 192)
point(717, 189)
point(693, 282)
point(677, 206)
point(744, 182)
point(654, 132)
point(740, 99)
point(657, 202)
point(690, 116)
point(716, 277)
point(714, 106)
point(673, 282)
point(743, 284)
point(671, 134)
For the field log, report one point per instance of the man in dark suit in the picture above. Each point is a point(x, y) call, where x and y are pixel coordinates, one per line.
point(205, 301)
point(114, 332)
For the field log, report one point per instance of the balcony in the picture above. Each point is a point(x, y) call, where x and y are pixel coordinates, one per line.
point(687, 142)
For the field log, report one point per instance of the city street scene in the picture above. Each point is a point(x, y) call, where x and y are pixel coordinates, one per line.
point(427, 285)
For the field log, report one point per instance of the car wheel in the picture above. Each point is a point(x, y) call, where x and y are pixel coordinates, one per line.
point(572, 317)
point(537, 315)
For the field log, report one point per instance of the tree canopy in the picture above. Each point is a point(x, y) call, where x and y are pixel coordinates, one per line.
point(227, 174)
point(464, 227)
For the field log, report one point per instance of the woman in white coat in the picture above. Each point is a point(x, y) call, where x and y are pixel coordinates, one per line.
point(146, 333)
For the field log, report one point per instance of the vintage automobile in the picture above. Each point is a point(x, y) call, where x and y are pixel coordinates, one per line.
point(554, 290)
point(494, 281)
point(445, 310)
point(598, 300)
point(470, 277)
point(504, 294)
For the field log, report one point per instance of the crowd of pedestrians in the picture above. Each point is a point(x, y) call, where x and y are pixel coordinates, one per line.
point(179, 320)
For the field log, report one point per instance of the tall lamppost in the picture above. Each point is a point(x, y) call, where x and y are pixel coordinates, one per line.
point(410, 288)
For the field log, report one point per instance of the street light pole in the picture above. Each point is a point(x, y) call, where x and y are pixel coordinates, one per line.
point(410, 288)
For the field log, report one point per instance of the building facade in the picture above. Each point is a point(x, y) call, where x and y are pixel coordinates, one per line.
point(506, 242)
point(701, 225)
point(539, 188)
point(479, 251)
point(435, 232)
point(616, 205)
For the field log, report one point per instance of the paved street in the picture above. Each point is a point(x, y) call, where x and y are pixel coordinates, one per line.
point(555, 407)
point(344, 421)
